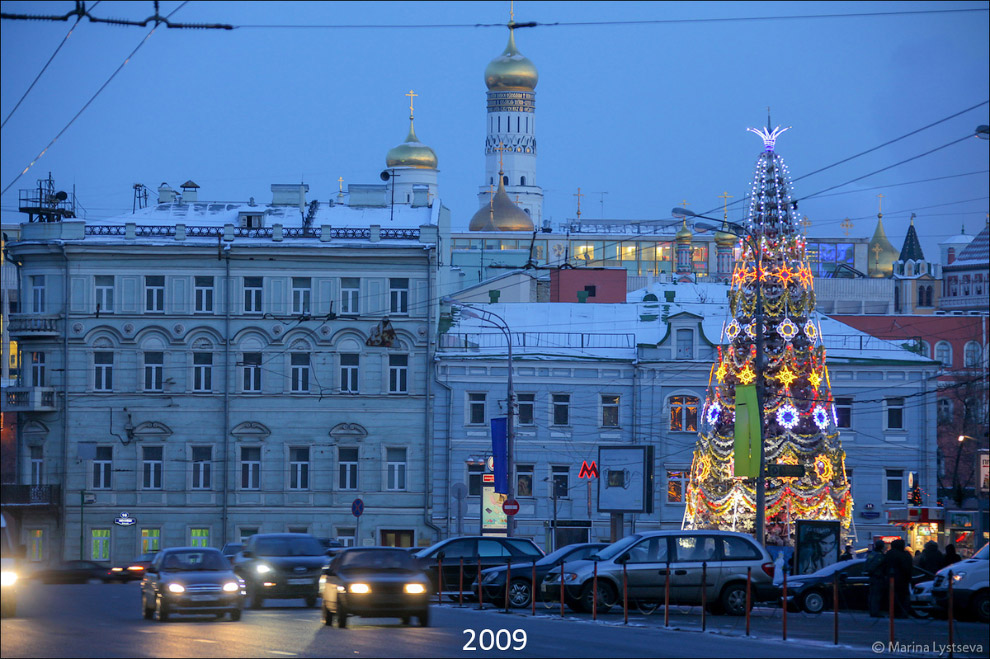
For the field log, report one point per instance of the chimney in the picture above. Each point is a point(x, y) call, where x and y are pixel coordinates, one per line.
point(190, 192)
point(290, 194)
point(166, 195)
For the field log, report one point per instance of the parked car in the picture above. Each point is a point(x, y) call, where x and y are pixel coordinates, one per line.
point(375, 582)
point(970, 588)
point(489, 551)
point(133, 570)
point(281, 566)
point(723, 555)
point(191, 580)
point(921, 597)
point(231, 549)
point(74, 572)
point(521, 573)
point(813, 592)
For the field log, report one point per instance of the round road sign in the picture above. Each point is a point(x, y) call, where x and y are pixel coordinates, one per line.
point(357, 507)
point(510, 507)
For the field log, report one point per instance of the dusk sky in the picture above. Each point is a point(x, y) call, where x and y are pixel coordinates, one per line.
point(651, 113)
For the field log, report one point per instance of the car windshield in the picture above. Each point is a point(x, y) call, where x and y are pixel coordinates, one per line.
point(304, 546)
point(191, 561)
point(377, 559)
point(982, 554)
point(556, 556)
point(616, 547)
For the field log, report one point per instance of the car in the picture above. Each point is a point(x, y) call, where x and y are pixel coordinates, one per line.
point(375, 582)
point(231, 549)
point(281, 566)
point(724, 556)
point(521, 573)
point(132, 570)
point(10, 557)
point(74, 572)
point(921, 596)
point(488, 551)
point(970, 588)
point(812, 592)
point(191, 580)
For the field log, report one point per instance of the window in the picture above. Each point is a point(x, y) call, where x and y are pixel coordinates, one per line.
point(350, 290)
point(100, 543)
point(103, 468)
point(253, 287)
point(252, 372)
point(349, 372)
point(103, 371)
point(203, 294)
point(347, 461)
point(476, 409)
point(302, 294)
point(695, 548)
point(395, 468)
point(152, 467)
point(299, 468)
point(150, 540)
point(894, 408)
point(972, 354)
point(560, 477)
point(677, 480)
point(345, 535)
point(250, 467)
point(199, 537)
point(38, 293)
point(300, 372)
point(684, 413)
point(649, 550)
point(398, 295)
point(610, 411)
point(38, 369)
point(561, 409)
point(944, 407)
point(943, 353)
point(894, 485)
point(37, 465)
point(154, 294)
point(526, 409)
point(398, 371)
point(475, 473)
point(843, 412)
point(684, 344)
point(36, 544)
point(247, 532)
point(203, 372)
point(524, 480)
point(154, 365)
point(202, 467)
point(104, 293)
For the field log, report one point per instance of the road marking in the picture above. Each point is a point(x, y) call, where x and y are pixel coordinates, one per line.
point(288, 654)
point(203, 640)
point(147, 631)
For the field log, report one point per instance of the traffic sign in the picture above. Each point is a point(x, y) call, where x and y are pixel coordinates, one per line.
point(357, 507)
point(125, 520)
point(510, 507)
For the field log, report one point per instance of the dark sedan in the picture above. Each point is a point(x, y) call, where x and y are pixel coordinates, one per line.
point(281, 566)
point(375, 582)
point(813, 592)
point(132, 570)
point(191, 580)
point(493, 579)
point(475, 551)
point(74, 572)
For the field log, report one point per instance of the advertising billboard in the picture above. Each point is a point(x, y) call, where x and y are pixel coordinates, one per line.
point(625, 483)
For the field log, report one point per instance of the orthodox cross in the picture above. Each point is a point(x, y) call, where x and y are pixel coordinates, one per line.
point(579, 195)
point(806, 223)
point(846, 225)
point(340, 184)
point(411, 96)
point(876, 249)
point(500, 148)
point(512, 13)
point(684, 203)
point(880, 205)
point(725, 197)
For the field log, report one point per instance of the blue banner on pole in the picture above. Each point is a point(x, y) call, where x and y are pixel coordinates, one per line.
point(500, 452)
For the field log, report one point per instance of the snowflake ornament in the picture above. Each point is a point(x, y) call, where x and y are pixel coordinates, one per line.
point(787, 416)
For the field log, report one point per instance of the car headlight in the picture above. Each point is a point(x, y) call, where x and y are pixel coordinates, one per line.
point(262, 568)
point(176, 588)
point(360, 588)
point(323, 580)
point(415, 588)
point(490, 577)
point(8, 578)
point(570, 576)
point(116, 569)
point(231, 587)
point(956, 576)
point(795, 584)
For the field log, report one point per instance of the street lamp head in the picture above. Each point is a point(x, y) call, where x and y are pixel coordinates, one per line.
point(683, 212)
point(983, 132)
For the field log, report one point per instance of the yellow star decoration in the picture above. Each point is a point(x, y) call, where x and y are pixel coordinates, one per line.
point(720, 373)
point(747, 375)
point(786, 377)
point(815, 379)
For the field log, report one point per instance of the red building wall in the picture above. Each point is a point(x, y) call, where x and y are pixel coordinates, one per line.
point(607, 284)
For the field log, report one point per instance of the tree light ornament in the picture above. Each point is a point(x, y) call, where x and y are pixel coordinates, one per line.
point(787, 329)
point(821, 417)
point(787, 416)
point(810, 330)
point(713, 411)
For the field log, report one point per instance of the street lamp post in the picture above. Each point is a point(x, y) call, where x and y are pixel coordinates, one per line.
point(740, 232)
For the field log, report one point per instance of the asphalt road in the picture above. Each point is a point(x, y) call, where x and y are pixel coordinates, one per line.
point(103, 620)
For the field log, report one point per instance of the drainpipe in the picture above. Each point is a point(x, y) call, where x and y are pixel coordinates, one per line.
point(428, 405)
point(448, 477)
point(635, 422)
point(63, 515)
point(226, 393)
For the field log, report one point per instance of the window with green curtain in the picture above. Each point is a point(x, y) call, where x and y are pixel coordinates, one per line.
point(36, 544)
point(150, 540)
point(199, 537)
point(101, 544)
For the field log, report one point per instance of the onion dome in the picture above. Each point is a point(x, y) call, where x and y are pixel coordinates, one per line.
point(725, 238)
point(511, 71)
point(881, 253)
point(684, 234)
point(501, 214)
point(411, 153)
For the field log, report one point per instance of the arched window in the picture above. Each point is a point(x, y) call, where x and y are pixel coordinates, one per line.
point(921, 296)
point(684, 413)
point(897, 299)
point(924, 349)
point(522, 180)
point(950, 255)
point(943, 353)
point(972, 354)
point(505, 180)
point(944, 411)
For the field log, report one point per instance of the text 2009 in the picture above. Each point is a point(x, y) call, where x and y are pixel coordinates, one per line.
point(498, 639)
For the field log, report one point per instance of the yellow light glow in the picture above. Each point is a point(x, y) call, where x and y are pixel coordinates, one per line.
point(415, 588)
point(786, 377)
point(362, 588)
point(746, 376)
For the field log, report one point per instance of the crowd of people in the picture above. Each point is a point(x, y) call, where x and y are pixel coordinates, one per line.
point(897, 563)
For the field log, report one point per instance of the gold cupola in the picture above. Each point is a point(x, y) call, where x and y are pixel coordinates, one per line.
point(500, 214)
point(881, 253)
point(684, 234)
point(411, 153)
point(724, 238)
point(511, 71)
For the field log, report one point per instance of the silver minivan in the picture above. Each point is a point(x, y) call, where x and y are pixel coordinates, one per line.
point(723, 557)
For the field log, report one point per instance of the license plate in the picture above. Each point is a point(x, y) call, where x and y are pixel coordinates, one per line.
point(202, 598)
point(299, 582)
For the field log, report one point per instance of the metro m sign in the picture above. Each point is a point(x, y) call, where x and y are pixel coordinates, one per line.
point(588, 471)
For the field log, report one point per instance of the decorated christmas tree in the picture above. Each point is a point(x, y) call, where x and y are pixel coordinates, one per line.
point(798, 415)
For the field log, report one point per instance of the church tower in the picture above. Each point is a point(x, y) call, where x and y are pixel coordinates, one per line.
point(510, 145)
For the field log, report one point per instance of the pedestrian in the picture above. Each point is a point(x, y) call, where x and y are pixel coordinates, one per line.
point(897, 564)
point(847, 555)
point(875, 571)
point(931, 558)
point(951, 557)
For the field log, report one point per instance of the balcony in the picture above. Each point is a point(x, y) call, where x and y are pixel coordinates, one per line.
point(29, 399)
point(30, 495)
point(33, 325)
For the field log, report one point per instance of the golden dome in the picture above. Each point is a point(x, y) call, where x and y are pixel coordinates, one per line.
point(882, 254)
point(500, 214)
point(684, 234)
point(411, 153)
point(511, 71)
point(725, 238)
